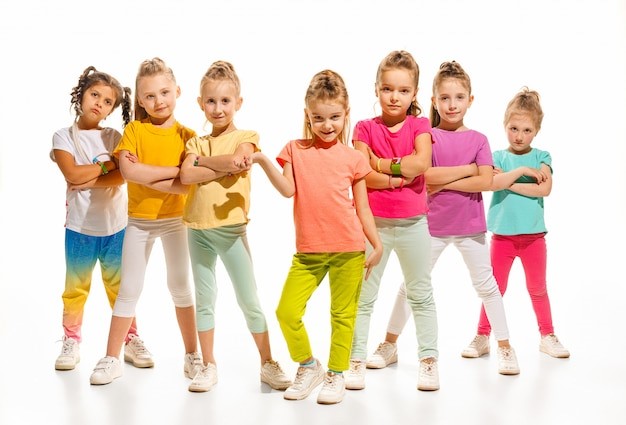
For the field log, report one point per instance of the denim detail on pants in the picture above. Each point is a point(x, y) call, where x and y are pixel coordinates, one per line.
point(345, 275)
point(141, 234)
point(230, 244)
point(81, 254)
point(410, 240)
point(532, 252)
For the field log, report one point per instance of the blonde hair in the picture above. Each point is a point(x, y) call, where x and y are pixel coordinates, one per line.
point(327, 85)
point(401, 59)
point(448, 70)
point(221, 71)
point(149, 68)
point(525, 102)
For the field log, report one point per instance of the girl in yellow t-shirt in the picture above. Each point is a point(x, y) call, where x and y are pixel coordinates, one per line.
point(216, 213)
point(149, 155)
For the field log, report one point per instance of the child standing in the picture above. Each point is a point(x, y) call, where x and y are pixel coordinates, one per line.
point(216, 213)
point(522, 178)
point(320, 171)
point(95, 204)
point(462, 169)
point(150, 155)
point(398, 145)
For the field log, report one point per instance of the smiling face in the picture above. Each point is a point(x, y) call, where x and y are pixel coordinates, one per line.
point(327, 119)
point(97, 103)
point(451, 100)
point(220, 100)
point(520, 131)
point(395, 90)
point(157, 94)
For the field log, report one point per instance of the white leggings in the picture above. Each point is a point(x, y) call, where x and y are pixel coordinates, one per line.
point(475, 253)
point(138, 242)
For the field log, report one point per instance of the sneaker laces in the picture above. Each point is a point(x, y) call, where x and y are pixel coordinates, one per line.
point(331, 381)
point(355, 367)
point(383, 349)
point(138, 346)
point(68, 346)
point(427, 367)
point(298, 382)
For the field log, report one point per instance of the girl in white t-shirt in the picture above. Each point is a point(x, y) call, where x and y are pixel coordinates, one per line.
point(96, 207)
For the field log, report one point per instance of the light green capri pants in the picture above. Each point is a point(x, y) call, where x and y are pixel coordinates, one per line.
point(231, 245)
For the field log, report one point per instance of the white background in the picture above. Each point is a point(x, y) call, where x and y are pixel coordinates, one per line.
point(572, 52)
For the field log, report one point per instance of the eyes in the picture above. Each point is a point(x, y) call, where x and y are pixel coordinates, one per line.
point(223, 101)
point(107, 101)
point(514, 129)
point(404, 90)
point(459, 97)
point(152, 96)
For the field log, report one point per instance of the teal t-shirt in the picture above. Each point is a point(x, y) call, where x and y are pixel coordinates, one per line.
point(511, 213)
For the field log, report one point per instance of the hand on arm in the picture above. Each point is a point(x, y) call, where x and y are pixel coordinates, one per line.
point(382, 179)
point(85, 174)
point(478, 183)
point(542, 188)
point(363, 211)
point(284, 182)
point(146, 174)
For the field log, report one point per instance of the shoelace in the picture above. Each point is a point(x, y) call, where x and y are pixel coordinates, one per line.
point(330, 381)
point(67, 347)
point(383, 349)
point(427, 368)
point(354, 367)
point(139, 347)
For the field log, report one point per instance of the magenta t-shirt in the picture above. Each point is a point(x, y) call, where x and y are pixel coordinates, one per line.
point(454, 213)
point(410, 201)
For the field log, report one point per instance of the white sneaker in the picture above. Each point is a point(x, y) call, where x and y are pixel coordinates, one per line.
point(273, 375)
point(355, 376)
point(477, 348)
point(385, 354)
point(136, 353)
point(333, 390)
point(507, 361)
point(428, 375)
point(204, 379)
point(551, 345)
point(307, 378)
point(69, 357)
point(107, 369)
point(193, 363)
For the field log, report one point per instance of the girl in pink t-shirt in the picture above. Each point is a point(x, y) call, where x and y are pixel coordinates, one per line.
point(462, 168)
point(398, 145)
point(320, 172)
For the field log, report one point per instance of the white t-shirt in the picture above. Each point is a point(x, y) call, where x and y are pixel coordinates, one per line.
point(99, 211)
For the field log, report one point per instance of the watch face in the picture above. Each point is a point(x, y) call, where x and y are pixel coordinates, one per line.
point(395, 161)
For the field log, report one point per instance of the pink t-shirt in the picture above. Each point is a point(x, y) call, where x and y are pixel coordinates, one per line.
point(454, 213)
point(324, 213)
point(410, 201)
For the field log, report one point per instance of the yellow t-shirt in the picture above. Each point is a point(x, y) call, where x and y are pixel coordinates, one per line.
point(155, 146)
point(224, 201)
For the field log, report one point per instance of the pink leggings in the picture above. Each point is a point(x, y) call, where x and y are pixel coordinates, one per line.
point(531, 249)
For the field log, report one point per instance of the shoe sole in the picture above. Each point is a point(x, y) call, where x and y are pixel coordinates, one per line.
point(372, 365)
point(138, 363)
point(61, 366)
point(472, 355)
point(509, 372)
point(279, 387)
point(316, 383)
point(201, 389)
point(427, 388)
point(103, 383)
point(330, 401)
point(556, 356)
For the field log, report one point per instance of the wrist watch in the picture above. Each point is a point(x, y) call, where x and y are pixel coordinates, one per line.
point(395, 167)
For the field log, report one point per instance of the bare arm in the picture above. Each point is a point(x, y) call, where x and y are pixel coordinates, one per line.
point(376, 179)
point(227, 164)
point(478, 183)
point(137, 172)
point(86, 174)
point(284, 182)
point(505, 180)
point(445, 175)
point(363, 211)
point(539, 190)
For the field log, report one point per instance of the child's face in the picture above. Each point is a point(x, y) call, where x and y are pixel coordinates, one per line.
point(327, 119)
point(396, 91)
point(97, 103)
point(520, 131)
point(452, 99)
point(220, 101)
point(157, 94)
